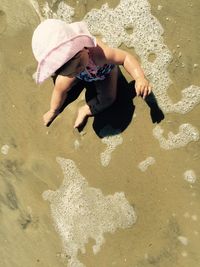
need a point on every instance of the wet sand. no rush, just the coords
(167, 229)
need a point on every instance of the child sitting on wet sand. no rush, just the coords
(71, 53)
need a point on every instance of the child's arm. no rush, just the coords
(62, 86)
(131, 65)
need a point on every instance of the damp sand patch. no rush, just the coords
(81, 212)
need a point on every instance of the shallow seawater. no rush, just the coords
(126, 191)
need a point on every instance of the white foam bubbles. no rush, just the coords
(143, 165)
(5, 149)
(190, 98)
(190, 176)
(76, 144)
(183, 240)
(112, 141)
(187, 133)
(81, 212)
(64, 11)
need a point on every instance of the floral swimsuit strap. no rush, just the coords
(92, 72)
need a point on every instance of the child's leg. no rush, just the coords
(106, 92)
(72, 94)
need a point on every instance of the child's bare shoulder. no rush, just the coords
(110, 55)
(101, 53)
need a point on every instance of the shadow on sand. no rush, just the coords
(119, 115)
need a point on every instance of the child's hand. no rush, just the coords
(142, 87)
(49, 116)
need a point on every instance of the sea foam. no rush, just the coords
(81, 212)
(112, 141)
(187, 133)
(143, 165)
(5, 149)
(190, 176)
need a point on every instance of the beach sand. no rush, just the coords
(165, 202)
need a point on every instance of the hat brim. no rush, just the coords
(61, 54)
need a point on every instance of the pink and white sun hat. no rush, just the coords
(55, 42)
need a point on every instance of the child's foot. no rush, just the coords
(49, 117)
(82, 116)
